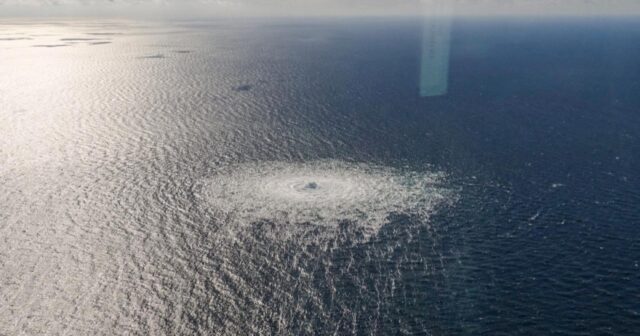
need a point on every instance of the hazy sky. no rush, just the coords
(312, 7)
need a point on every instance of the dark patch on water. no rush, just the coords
(99, 43)
(311, 185)
(14, 38)
(242, 88)
(183, 51)
(105, 34)
(157, 56)
(79, 39)
(50, 45)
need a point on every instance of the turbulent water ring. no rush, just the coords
(322, 193)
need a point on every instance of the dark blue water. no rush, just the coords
(144, 179)
(541, 125)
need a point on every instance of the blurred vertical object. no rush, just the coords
(436, 36)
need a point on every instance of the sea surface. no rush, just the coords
(287, 177)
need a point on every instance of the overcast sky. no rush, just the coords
(312, 7)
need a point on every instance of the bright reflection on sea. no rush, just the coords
(117, 218)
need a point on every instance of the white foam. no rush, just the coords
(322, 194)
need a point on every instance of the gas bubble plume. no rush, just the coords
(322, 194)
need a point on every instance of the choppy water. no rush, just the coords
(285, 177)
